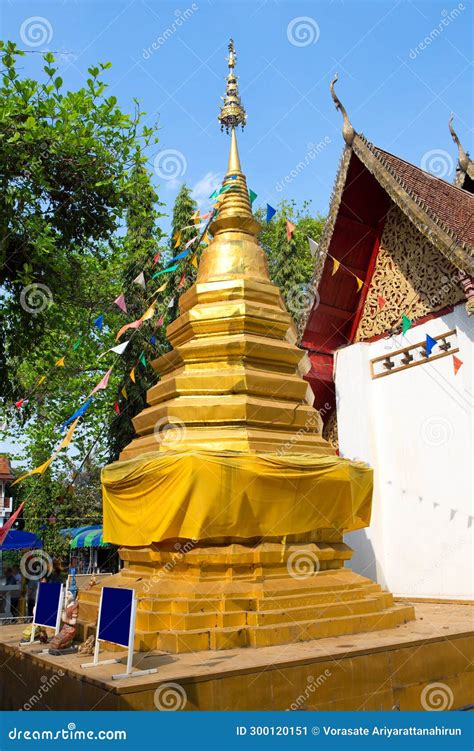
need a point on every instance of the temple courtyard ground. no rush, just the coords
(392, 669)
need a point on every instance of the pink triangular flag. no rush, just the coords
(133, 325)
(120, 302)
(102, 383)
(191, 241)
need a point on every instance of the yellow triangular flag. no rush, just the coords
(177, 239)
(194, 261)
(359, 284)
(163, 287)
(132, 375)
(41, 380)
(124, 393)
(43, 467)
(148, 313)
(195, 217)
(205, 239)
(335, 266)
(60, 362)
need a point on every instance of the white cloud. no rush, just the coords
(204, 187)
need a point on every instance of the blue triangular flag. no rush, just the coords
(77, 413)
(99, 322)
(430, 343)
(182, 254)
(153, 340)
(270, 212)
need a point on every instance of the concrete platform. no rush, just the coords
(381, 670)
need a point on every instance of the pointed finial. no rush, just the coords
(463, 158)
(232, 111)
(347, 130)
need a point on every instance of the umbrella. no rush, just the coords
(18, 540)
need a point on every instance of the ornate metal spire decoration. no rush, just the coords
(232, 111)
(347, 130)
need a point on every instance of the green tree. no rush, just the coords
(65, 159)
(291, 264)
(183, 230)
(142, 243)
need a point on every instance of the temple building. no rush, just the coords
(396, 267)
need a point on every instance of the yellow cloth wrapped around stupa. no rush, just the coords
(202, 495)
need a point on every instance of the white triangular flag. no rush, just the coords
(313, 247)
(140, 279)
(119, 349)
(171, 303)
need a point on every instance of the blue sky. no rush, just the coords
(398, 93)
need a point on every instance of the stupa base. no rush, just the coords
(413, 667)
(194, 598)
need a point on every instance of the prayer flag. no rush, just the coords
(182, 281)
(270, 212)
(142, 359)
(123, 391)
(359, 281)
(153, 340)
(456, 364)
(140, 279)
(252, 196)
(290, 228)
(313, 247)
(148, 313)
(156, 258)
(60, 363)
(133, 325)
(430, 343)
(99, 322)
(335, 267)
(116, 407)
(194, 261)
(120, 302)
(102, 383)
(132, 375)
(165, 271)
(20, 403)
(76, 343)
(177, 239)
(78, 413)
(406, 323)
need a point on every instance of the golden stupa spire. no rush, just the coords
(232, 111)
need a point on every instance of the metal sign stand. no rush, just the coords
(131, 637)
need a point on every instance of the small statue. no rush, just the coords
(92, 582)
(40, 633)
(87, 647)
(64, 639)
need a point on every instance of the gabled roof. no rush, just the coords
(5, 469)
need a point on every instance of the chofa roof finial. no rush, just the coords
(463, 158)
(347, 130)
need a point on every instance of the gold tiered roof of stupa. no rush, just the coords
(234, 378)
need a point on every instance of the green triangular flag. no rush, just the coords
(406, 323)
(142, 359)
(76, 343)
(252, 195)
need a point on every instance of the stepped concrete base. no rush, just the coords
(382, 670)
(231, 596)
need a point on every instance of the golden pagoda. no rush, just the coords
(229, 506)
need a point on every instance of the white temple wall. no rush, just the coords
(414, 428)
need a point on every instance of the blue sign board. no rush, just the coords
(116, 615)
(48, 604)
